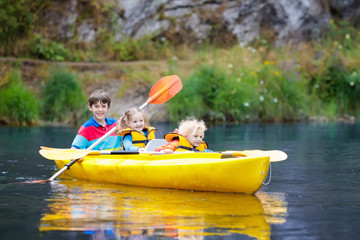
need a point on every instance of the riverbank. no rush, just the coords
(309, 82)
(127, 83)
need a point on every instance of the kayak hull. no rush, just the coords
(190, 171)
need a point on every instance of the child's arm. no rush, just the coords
(170, 146)
(128, 145)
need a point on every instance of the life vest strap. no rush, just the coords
(140, 141)
(188, 148)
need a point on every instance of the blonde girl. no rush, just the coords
(135, 129)
(189, 137)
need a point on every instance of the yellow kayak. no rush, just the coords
(205, 171)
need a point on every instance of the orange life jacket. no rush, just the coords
(184, 144)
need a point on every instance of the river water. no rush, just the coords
(314, 194)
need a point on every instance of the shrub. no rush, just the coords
(213, 95)
(342, 35)
(267, 93)
(352, 82)
(17, 19)
(63, 98)
(283, 91)
(198, 95)
(139, 49)
(341, 86)
(238, 98)
(49, 50)
(18, 105)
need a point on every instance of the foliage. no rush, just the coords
(18, 105)
(342, 35)
(63, 98)
(49, 50)
(210, 94)
(190, 102)
(17, 19)
(238, 97)
(247, 82)
(269, 93)
(341, 86)
(337, 84)
(352, 91)
(339, 64)
(145, 48)
(282, 91)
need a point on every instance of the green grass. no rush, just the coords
(63, 98)
(18, 105)
(269, 93)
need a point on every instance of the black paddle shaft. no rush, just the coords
(120, 152)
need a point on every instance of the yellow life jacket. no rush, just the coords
(139, 139)
(184, 144)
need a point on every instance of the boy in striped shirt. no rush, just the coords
(98, 125)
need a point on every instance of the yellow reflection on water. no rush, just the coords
(128, 210)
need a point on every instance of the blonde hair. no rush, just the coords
(191, 125)
(124, 120)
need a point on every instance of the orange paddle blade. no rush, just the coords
(38, 181)
(164, 89)
(47, 148)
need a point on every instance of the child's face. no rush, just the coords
(137, 122)
(196, 137)
(99, 111)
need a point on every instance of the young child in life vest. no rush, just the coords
(189, 137)
(135, 129)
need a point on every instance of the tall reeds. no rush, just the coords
(63, 98)
(19, 106)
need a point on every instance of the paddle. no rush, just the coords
(275, 155)
(161, 92)
(68, 154)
